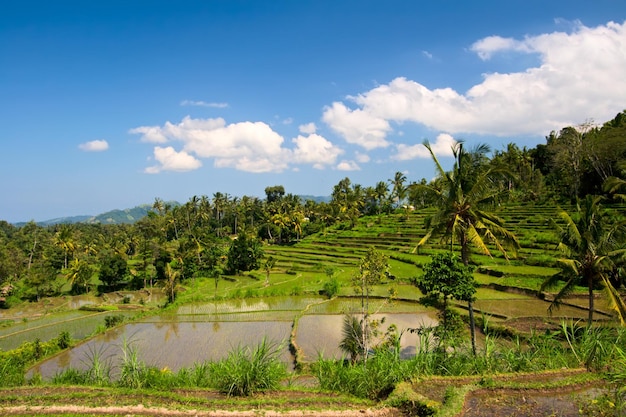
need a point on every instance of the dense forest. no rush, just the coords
(197, 238)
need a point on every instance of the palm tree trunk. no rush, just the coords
(470, 304)
(590, 318)
(470, 308)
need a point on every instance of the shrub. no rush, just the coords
(11, 372)
(64, 340)
(113, 320)
(375, 378)
(331, 287)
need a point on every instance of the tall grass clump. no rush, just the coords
(11, 372)
(592, 347)
(132, 370)
(246, 371)
(99, 368)
(374, 379)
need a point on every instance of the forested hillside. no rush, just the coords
(196, 238)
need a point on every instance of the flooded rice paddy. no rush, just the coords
(201, 332)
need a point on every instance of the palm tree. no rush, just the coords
(171, 287)
(381, 192)
(79, 274)
(589, 244)
(463, 197)
(616, 185)
(398, 193)
(65, 240)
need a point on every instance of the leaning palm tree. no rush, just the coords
(464, 197)
(590, 243)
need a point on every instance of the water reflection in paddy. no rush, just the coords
(170, 344)
(321, 334)
(200, 332)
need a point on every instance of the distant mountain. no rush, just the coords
(61, 220)
(316, 198)
(127, 216)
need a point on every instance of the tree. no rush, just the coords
(244, 254)
(616, 185)
(268, 265)
(78, 275)
(589, 242)
(398, 192)
(113, 269)
(171, 287)
(446, 277)
(464, 196)
(65, 240)
(373, 269)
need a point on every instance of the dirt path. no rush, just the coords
(140, 410)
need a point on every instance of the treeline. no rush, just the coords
(222, 234)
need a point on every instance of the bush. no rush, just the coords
(331, 287)
(374, 379)
(112, 321)
(64, 340)
(245, 372)
(11, 372)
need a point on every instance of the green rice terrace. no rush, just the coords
(269, 341)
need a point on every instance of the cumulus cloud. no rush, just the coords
(348, 166)
(245, 146)
(315, 150)
(308, 128)
(359, 126)
(94, 146)
(442, 147)
(171, 160)
(579, 76)
(490, 45)
(203, 104)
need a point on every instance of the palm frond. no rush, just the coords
(616, 302)
(567, 289)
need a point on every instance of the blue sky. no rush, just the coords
(110, 104)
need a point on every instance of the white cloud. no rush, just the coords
(170, 160)
(150, 134)
(315, 150)
(360, 126)
(94, 146)
(288, 121)
(442, 147)
(308, 128)
(203, 104)
(580, 76)
(490, 45)
(245, 146)
(427, 54)
(348, 166)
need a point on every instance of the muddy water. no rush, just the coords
(79, 324)
(321, 334)
(170, 344)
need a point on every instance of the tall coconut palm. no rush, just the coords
(398, 193)
(463, 198)
(590, 243)
(64, 238)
